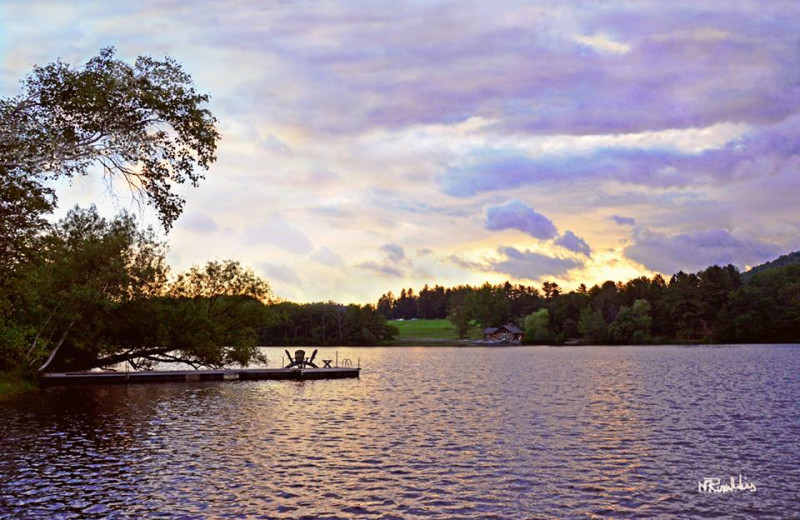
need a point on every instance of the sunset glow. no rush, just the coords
(369, 146)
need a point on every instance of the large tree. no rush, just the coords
(208, 317)
(88, 267)
(143, 123)
(102, 298)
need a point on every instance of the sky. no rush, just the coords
(369, 146)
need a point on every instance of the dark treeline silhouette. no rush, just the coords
(99, 292)
(714, 305)
(325, 324)
(438, 302)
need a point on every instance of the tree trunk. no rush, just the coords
(55, 350)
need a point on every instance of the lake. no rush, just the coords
(525, 432)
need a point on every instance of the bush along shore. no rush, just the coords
(12, 384)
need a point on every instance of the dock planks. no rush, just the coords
(176, 376)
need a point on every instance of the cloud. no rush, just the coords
(683, 112)
(394, 252)
(327, 257)
(465, 264)
(322, 177)
(531, 265)
(528, 265)
(279, 234)
(569, 68)
(697, 250)
(273, 145)
(279, 272)
(198, 223)
(384, 270)
(515, 214)
(391, 266)
(636, 67)
(623, 221)
(603, 44)
(574, 243)
(760, 152)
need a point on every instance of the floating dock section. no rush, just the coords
(180, 376)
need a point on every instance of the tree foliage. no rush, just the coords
(591, 326)
(537, 327)
(712, 305)
(88, 267)
(327, 323)
(144, 123)
(23, 203)
(632, 324)
(99, 295)
(67, 292)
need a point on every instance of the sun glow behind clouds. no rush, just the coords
(603, 44)
(478, 133)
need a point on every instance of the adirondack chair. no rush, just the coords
(300, 360)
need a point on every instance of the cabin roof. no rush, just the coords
(510, 328)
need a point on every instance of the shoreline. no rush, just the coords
(12, 385)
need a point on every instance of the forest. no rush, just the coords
(716, 305)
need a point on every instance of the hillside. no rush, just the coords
(789, 259)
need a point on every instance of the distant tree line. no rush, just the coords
(327, 323)
(712, 305)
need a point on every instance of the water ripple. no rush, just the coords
(425, 433)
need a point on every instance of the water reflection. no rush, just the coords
(447, 433)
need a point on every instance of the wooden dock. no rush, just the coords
(180, 376)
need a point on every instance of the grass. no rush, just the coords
(429, 331)
(12, 384)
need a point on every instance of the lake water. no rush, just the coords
(528, 432)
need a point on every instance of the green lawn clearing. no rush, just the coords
(428, 331)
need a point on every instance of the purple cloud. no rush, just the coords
(530, 265)
(684, 65)
(395, 255)
(466, 264)
(515, 214)
(697, 250)
(574, 243)
(761, 152)
(199, 223)
(623, 221)
(274, 145)
(394, 252)
(383, 270)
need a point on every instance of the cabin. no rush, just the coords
(503, 334)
